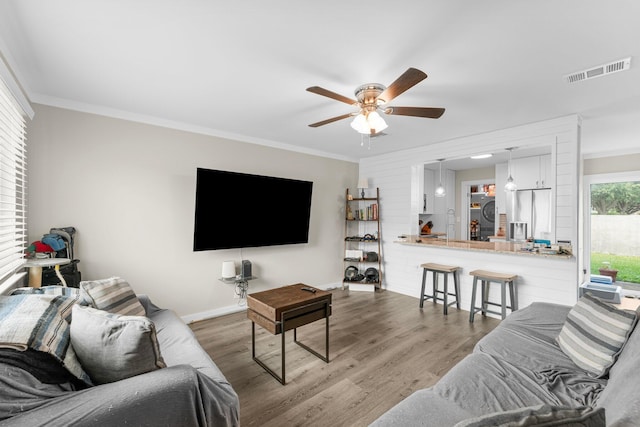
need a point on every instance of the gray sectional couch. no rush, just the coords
(190, 391)
(520, 365)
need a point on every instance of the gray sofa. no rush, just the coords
(518, 365)
(190, 391)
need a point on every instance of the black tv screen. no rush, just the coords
(238, 210)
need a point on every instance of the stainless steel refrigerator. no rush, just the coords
(534, 208)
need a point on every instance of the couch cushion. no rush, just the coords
(594, 334)
(481, 384)
(39, 322)
(621, 397)
(180, 346)
(113, 295)
(112, 347)
(527, 338)
(541, 415)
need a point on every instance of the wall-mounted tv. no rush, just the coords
(239, 210)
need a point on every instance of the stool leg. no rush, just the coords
(473, 299)
(456, 285)
(424, 280)
(446, 291)
(514, 295)
(435, 286)
(503, 296)
(484, 285)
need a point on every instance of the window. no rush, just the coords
(614, 227)
(13, 169)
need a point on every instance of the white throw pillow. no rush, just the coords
(111, 347)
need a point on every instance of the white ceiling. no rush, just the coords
(239, 69)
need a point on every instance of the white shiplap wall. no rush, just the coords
(541, 279)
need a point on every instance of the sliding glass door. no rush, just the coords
(613, 227)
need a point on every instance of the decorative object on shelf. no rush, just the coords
(349, 212)
(363, 184)
(510, 185)
(440, 191)
(371, 257)
(228, 270)
(371, 275)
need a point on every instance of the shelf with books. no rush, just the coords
(362, 243)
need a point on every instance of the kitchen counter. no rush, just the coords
(503, 247)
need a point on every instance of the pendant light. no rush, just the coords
(510, 185)
(440, 191)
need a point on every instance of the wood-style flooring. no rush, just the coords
(383, 347)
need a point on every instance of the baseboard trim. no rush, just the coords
(222, 311)
(210, 314)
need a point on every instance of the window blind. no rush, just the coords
(13, 185)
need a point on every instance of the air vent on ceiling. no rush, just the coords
(599, 71)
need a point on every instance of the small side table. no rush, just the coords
(35, 269)
(289, 307)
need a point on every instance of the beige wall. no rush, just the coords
(129, 189)
(627, 163)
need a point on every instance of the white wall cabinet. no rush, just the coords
(531, 172)
(545, 171)
(428, 202)
(501, 179)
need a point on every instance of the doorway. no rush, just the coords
(478, 209)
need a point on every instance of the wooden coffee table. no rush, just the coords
(282, 309)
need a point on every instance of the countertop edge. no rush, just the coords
(496, 251)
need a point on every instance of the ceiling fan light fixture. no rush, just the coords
(373, 96)
(376, 122)
(360, 124)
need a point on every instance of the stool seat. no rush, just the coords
(444, 270)
(492, 275)
(440, 267)
(486, 277)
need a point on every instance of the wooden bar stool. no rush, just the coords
(486, 277)
(445, 270)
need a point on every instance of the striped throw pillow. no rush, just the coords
(113, 295)
(594, 333)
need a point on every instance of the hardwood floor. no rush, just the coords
(382, 349)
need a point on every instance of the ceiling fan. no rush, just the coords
(372, 97)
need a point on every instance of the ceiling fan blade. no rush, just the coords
(331, 120)
(428, 112)
(324, 92)
(410, 78)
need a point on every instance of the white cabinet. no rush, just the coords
(501, 180)
(429, 192)
(526, 172)
(546, 178)
(532, 172)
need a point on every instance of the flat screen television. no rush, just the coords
(239, 210)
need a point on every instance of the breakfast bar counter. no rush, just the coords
(502, 247)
